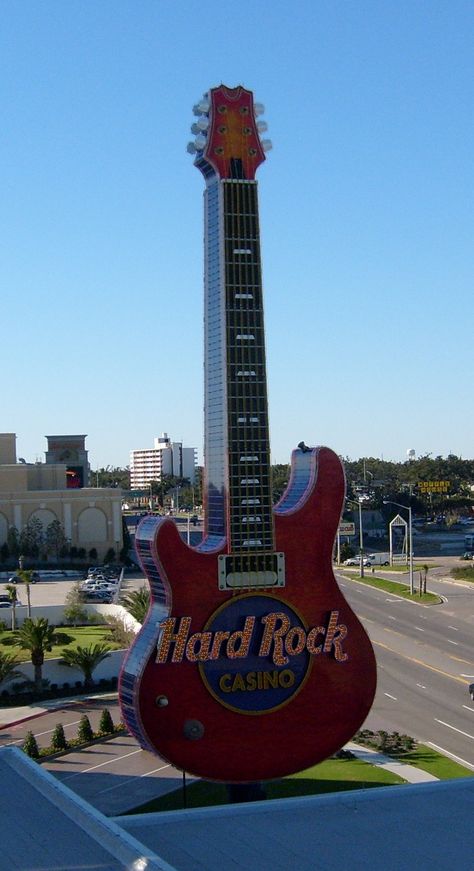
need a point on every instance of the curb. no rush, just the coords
(56, 704)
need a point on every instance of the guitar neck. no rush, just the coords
(237, 447)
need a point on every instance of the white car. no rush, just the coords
(352, 561)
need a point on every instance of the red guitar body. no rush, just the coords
(171, 706)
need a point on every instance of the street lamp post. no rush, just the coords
(361, 535)
(410, 540)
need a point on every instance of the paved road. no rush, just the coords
(425, 662)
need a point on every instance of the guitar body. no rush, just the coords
(298, 678)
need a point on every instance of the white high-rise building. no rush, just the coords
(165, 458)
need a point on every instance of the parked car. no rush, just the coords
(467, 555)
(15, 579)
(352, 561)
(100, 596)
(5, 601)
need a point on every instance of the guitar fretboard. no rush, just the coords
(239, 501)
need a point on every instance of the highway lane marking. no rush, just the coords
(101, 764)
(471, 676)
(453, 628)
(419, 662)
(448, 726)
(468, 708)
(421, 685)
(391, 618)
(391, 697)
(419, 628)
(452, 755)
(453, 642)
(130, 779)
(393, 631)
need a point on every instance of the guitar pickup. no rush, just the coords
(251, 571)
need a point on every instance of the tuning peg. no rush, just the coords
(203, 122)
(262, 126)
(266, 144)
(258, 109)
(200, 142)
(191, 148)
(202, 107)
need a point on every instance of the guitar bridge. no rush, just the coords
(251, 571)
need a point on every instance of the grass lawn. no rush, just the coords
(464, 573)
(440, 766)
(82, 636)
(398, 589)
(333, 775)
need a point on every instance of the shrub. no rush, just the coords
(66, 685)
(58, 740)
(106, 724)
(391, 743)
(78, 684)
(30, 746)
(84, 732)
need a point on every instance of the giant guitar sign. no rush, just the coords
(250, 664)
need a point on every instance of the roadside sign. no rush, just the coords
(433, 486)
(347, 529)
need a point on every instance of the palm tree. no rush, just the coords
(26, 576)
(86, 659)
(8, 669)
(37, 636)
(137, 603)
(12, 595)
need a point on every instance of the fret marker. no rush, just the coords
(249, 481)
(243, 373)
(243, 296)
(245, 338)
(249, 459)
(242, 251)
(250, 501)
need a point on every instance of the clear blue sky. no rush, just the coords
(365, 207)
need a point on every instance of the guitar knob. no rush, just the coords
(193, 730)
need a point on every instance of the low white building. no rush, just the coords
(164, 458)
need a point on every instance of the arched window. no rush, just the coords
(91, 526)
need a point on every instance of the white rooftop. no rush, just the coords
(47, 827)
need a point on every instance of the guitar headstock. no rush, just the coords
(228, 133)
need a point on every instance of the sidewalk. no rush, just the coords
(407, 772)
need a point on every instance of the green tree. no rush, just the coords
(137, 603)
(106, 724)
(4, 552)
(13, 597)
(30, 746)
(13, 541)
(32, 538)
(93, 554)
(86, 659)
(111, 476)
(55, 538)
(8, 668)
(74, 610)
(84, 732)
(37, 636)
(58, 740)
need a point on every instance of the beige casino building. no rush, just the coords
(57, 490)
